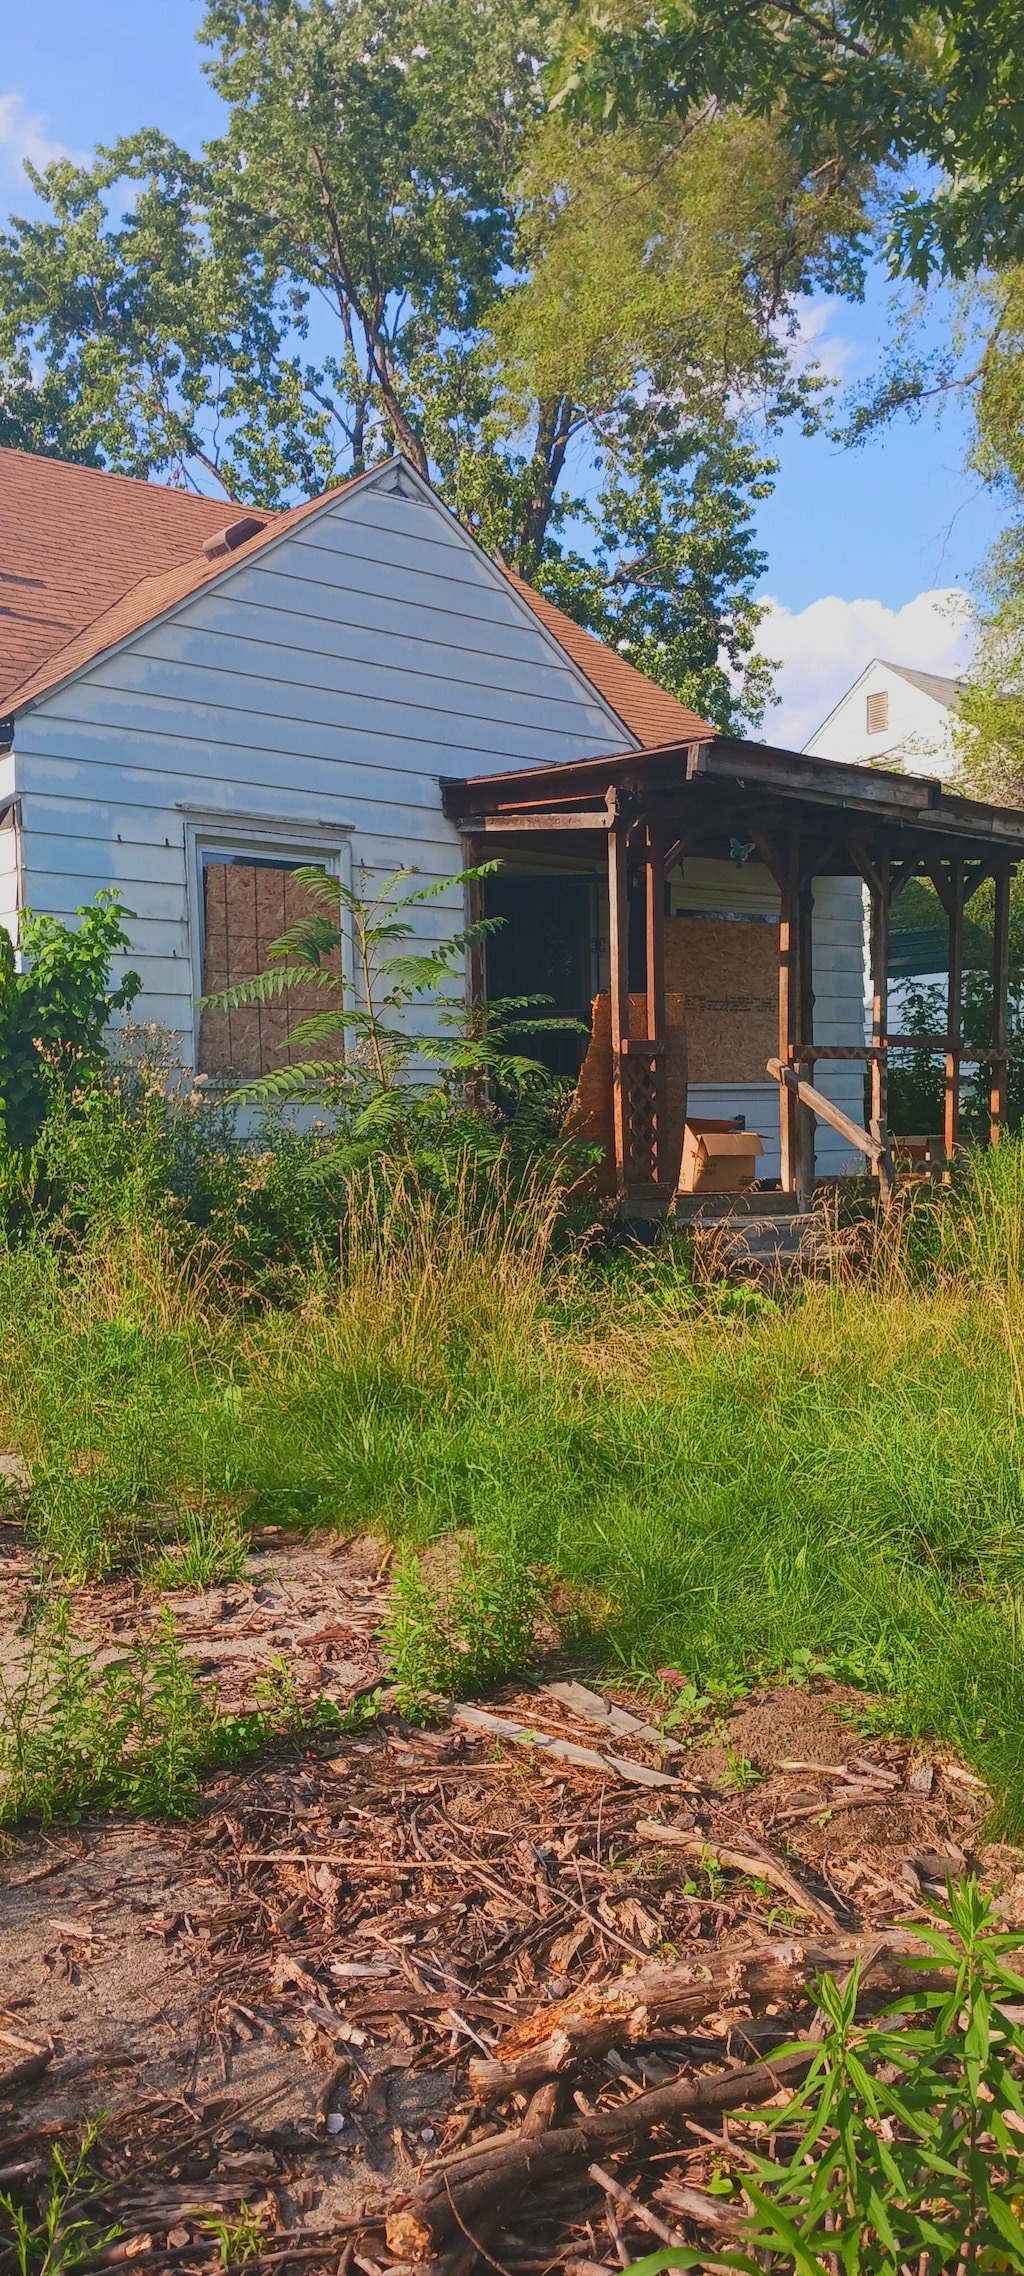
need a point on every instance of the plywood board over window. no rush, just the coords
(727, 971)
(248, 902)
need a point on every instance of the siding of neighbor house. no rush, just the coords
(307, 703)
(917, 736)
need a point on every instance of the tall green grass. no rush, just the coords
(839, 1474)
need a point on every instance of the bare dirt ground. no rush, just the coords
(274, 2008)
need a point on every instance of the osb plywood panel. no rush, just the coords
(590, 1114)
(247, 906)
(727, 975)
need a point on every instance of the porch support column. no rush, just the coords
(654, 878)
(954, 1009)
(474, 853)
(880, 894)
(805, 1035)
(796, 1000)
(618, 992)
(877, 873)
(1000, 1002)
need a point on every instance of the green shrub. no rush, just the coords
(55, 1010)
(135, 1734)
(904, 2147)
(460, 1626)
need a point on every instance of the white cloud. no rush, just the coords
(811, 342)
(823, 648)
(23, 135)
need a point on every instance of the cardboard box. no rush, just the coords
(718, 1157)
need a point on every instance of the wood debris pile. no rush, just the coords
(480, 1993)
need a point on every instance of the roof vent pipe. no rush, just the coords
(228, 540)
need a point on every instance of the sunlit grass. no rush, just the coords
(840, 1474)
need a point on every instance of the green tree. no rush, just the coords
(394, 245)
(56, 1003)
(881, 81)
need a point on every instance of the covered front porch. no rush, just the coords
(621, 836)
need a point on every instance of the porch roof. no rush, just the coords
(708, 791)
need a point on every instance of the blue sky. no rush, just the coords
(871, 533)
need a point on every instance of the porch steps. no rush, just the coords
(759, 1249)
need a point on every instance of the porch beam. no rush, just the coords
(557, 818)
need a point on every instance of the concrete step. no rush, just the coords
(760, 1248)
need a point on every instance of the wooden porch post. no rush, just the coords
(880, 894)
(805, 1035)
(789, 1014)
(618, 990)
(473, 854)
(655, 931)
(796, 1008)
(954, 1009)
(1000, 1002)
(878, 877)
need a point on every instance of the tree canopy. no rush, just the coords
(584, 333)
(883, 81)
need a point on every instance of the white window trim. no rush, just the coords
(207, 831)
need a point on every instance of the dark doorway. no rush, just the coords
(543, 949)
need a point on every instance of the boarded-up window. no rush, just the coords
(726, 971)
(248, 902)
(878, 712)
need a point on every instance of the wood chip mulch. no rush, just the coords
(442, 1996)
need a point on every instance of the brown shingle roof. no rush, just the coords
(73, 542)
(89, 558)
(649, 712)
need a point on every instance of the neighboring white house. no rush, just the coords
(892, 716)
(195, 700)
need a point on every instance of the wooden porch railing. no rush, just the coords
(874, 1144)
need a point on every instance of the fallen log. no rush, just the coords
(456, 2194)
(600, 2016)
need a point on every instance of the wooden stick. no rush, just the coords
(758, 1862)
(632, 2206)
(503, 2169)
(25, 2073)
(697, 2205)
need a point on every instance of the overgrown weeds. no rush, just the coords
(833, 1478)
(136, 1733)
(457, 1628)
(904, 2145)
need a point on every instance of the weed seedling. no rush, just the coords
(60, 2240)
(739, 1772)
